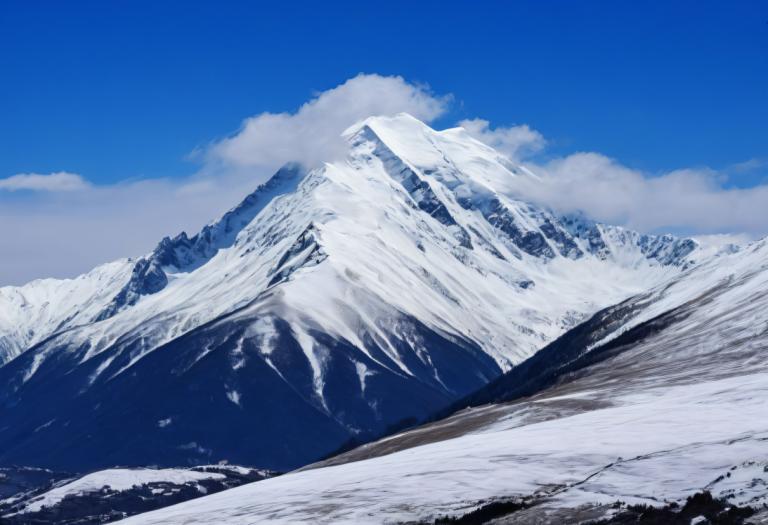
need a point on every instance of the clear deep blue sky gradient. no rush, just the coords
(123, 89)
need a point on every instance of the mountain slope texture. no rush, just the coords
(648, 402)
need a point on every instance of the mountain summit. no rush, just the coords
(332, 303)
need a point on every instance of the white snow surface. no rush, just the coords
(117, 479)
(680, 411)
(30, 313)
(662, 445)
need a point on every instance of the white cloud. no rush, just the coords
(748, 166)
(686, 200)
(724, 239)
(59, 181)
(514, 141)
(312, 134)
(63, 234)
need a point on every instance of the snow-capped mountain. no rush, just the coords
(648, 402)
(331, 304)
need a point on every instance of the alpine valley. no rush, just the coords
(397, 286)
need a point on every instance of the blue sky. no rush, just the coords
(124, 89)
(119, 92)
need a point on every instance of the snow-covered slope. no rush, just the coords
(117, 480)
(670, 399)
(103, 496)
(351, 296)
(35, 311)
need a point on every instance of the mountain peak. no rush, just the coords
(353, 296)
(403, 123)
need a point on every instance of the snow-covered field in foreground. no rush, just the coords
(662, 444)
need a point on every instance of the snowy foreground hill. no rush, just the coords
(331, 304)
(648, 402)
(111, 494)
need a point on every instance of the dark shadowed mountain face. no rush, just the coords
(174, 407)
(331, 305)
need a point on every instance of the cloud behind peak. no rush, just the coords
(312, 134)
